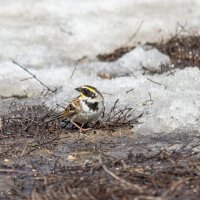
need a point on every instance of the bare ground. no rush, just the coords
(43, 161)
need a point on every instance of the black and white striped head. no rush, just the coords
(90, 93)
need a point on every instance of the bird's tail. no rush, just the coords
(60, 115)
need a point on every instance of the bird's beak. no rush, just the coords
(78, 89)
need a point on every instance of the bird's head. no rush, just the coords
(89, 93)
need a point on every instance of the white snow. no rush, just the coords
(43, 33)
(132, 62)
(48, 37)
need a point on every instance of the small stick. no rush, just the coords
(171, 73)
(25, 79)
(150, 99)
(112, 109)
(14, 96)
(134, 34)
(34, 76)
(129, 90)
(122, 181)
(73, 72)
(106, 93)
(60, 106)
(1, 123)
(153, 81)
(114, 106)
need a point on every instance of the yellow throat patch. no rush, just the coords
(82, 95)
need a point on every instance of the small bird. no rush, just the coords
(86, 108)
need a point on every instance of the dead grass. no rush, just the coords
(95, 174)
(183, 51)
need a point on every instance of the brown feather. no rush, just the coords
(69, 111)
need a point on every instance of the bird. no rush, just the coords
(84, 109)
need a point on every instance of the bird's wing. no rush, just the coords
(69, 111)
(72, 108)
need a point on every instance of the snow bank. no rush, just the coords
(170, 103)
(43, 33)
(48, 37)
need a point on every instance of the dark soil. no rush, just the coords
(43, 161)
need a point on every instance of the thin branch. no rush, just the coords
(122, 181)
(34, 76)
(134, 34)
(149, 100)
(106, 93)
(1, 123)
(25, 79)
(14, 96)
(129, 90)
(153, 81)
(73, 72)
(114, 106)
(171, 72)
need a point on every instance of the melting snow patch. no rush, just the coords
(131, 62)
(42, 34)
(139, 57)
(168, 103)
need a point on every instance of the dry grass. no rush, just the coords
(165, 175)
(183, 51)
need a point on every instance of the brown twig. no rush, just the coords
(14, 96)
(73, 72)
(134, 34)
(114, 106)
(34, 76)
(174, 187)
(122, 181)
(129, 90)
(153, 81)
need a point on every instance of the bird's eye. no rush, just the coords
(84, 90)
